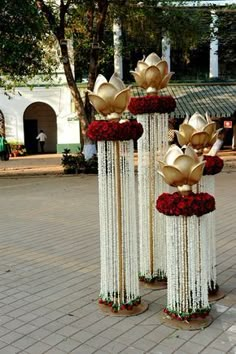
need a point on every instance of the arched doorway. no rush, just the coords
(39, 116)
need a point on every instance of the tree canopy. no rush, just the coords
(28, 28)
(22, 34)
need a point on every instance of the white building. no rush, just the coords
(27, 111)
(48, 107)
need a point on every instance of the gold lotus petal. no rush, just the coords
(153, 76)
(213, 139)
(208, 118)
(99, 81)
(196, 174)
(141, 66)
(197, 121)
(161, 174)
(165, 80)
(199, 139)
(184, 163)
(172, 153)
(181, 138)
(163, 67)
(190, 152)
(210, 128)
(116, 81)
(173, 176)
(152, 59)
(107, 92)
(186, 119)
(99, 104)
(121, 100)
(140, 79)
(186, 130)
(161, 164)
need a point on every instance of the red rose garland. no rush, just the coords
(106, 130)
(115, 307)
(213, 165)
(177, 204)
(187, 316)
(152, 104)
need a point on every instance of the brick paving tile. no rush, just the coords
(9, 350)
(233, 350)
(49, 276)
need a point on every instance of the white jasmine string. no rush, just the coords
(152, 229)
(207, 185)
(186, 263)
(110, 257)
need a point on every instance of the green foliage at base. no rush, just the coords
(76, 163)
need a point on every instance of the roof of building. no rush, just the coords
(217, 99)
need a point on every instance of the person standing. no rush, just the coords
(42, 137)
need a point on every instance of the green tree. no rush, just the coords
(22, 54)
(89, 24)
(227, 40)
(85, 19)
(186, 28)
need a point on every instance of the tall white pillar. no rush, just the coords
(214, 43)
(165, 48)
(118, 60)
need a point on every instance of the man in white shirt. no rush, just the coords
(42, 138)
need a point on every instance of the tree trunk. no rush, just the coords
(99, 17)
(79, 104)
(84, 110)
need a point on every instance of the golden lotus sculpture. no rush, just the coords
(110, 98)
(197, 131)
(152, 73)
(181, 168)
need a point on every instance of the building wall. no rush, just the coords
(49, 109)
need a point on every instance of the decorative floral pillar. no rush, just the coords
(151, 147)
(117, 209)
(200, 132)
(152, 112)
(213, 165)
(187, 290)
(119, 292)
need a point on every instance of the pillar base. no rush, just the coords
(215, 297)
(156, 285)
(136, 310)
(193, 325)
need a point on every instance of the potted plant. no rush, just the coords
(68, 161)
(92, 165)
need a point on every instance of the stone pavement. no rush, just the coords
(49, 275)
(32, 165)
(45, 164)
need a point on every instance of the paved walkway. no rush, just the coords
(32, 165)
(51, 164)
(49, 275)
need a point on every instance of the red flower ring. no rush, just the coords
(187, 316)
(152, 104)
(186, 205)
(214, 165)
(108, 130)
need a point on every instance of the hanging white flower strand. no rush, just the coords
(151, 147)
(207, 184)
(187, 291)
(187, 239)
(152, 74)
(117, 204)
(118, 233)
